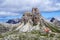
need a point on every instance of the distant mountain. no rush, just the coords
(13, 21)
(52, 19)
(55, 21)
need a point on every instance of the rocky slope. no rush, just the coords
(32, 27)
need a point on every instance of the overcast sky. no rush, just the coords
(13, 7)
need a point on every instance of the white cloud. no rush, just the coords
(58, 4)
(2, 13)
(20, 5)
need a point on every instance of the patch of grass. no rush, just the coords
(9, 33)
(39, 33)
(1, 36)
(34, 24)
(52, 27)
(35, 32)
(52, 35)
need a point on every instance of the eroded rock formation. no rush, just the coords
(34, 21)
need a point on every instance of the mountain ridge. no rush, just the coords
(32, 27)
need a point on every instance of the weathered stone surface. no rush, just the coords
(34, 16)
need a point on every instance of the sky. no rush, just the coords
(11, 9)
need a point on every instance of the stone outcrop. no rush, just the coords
(34, 16)
(33, 20)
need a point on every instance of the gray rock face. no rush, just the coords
(30, 19)
(34, 20)
(34, 16)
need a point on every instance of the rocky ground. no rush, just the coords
(33, 35)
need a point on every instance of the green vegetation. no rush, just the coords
(34, 24)
(52, 27)
(33, 35)
(1, 36)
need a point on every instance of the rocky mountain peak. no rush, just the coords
(34, 15)
(34, 21)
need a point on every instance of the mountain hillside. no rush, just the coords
(33, 27)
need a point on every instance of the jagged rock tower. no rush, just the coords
(34, 21)
(36, 15)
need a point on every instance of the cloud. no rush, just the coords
(12, 8)
(22, 5)
(3, 13)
